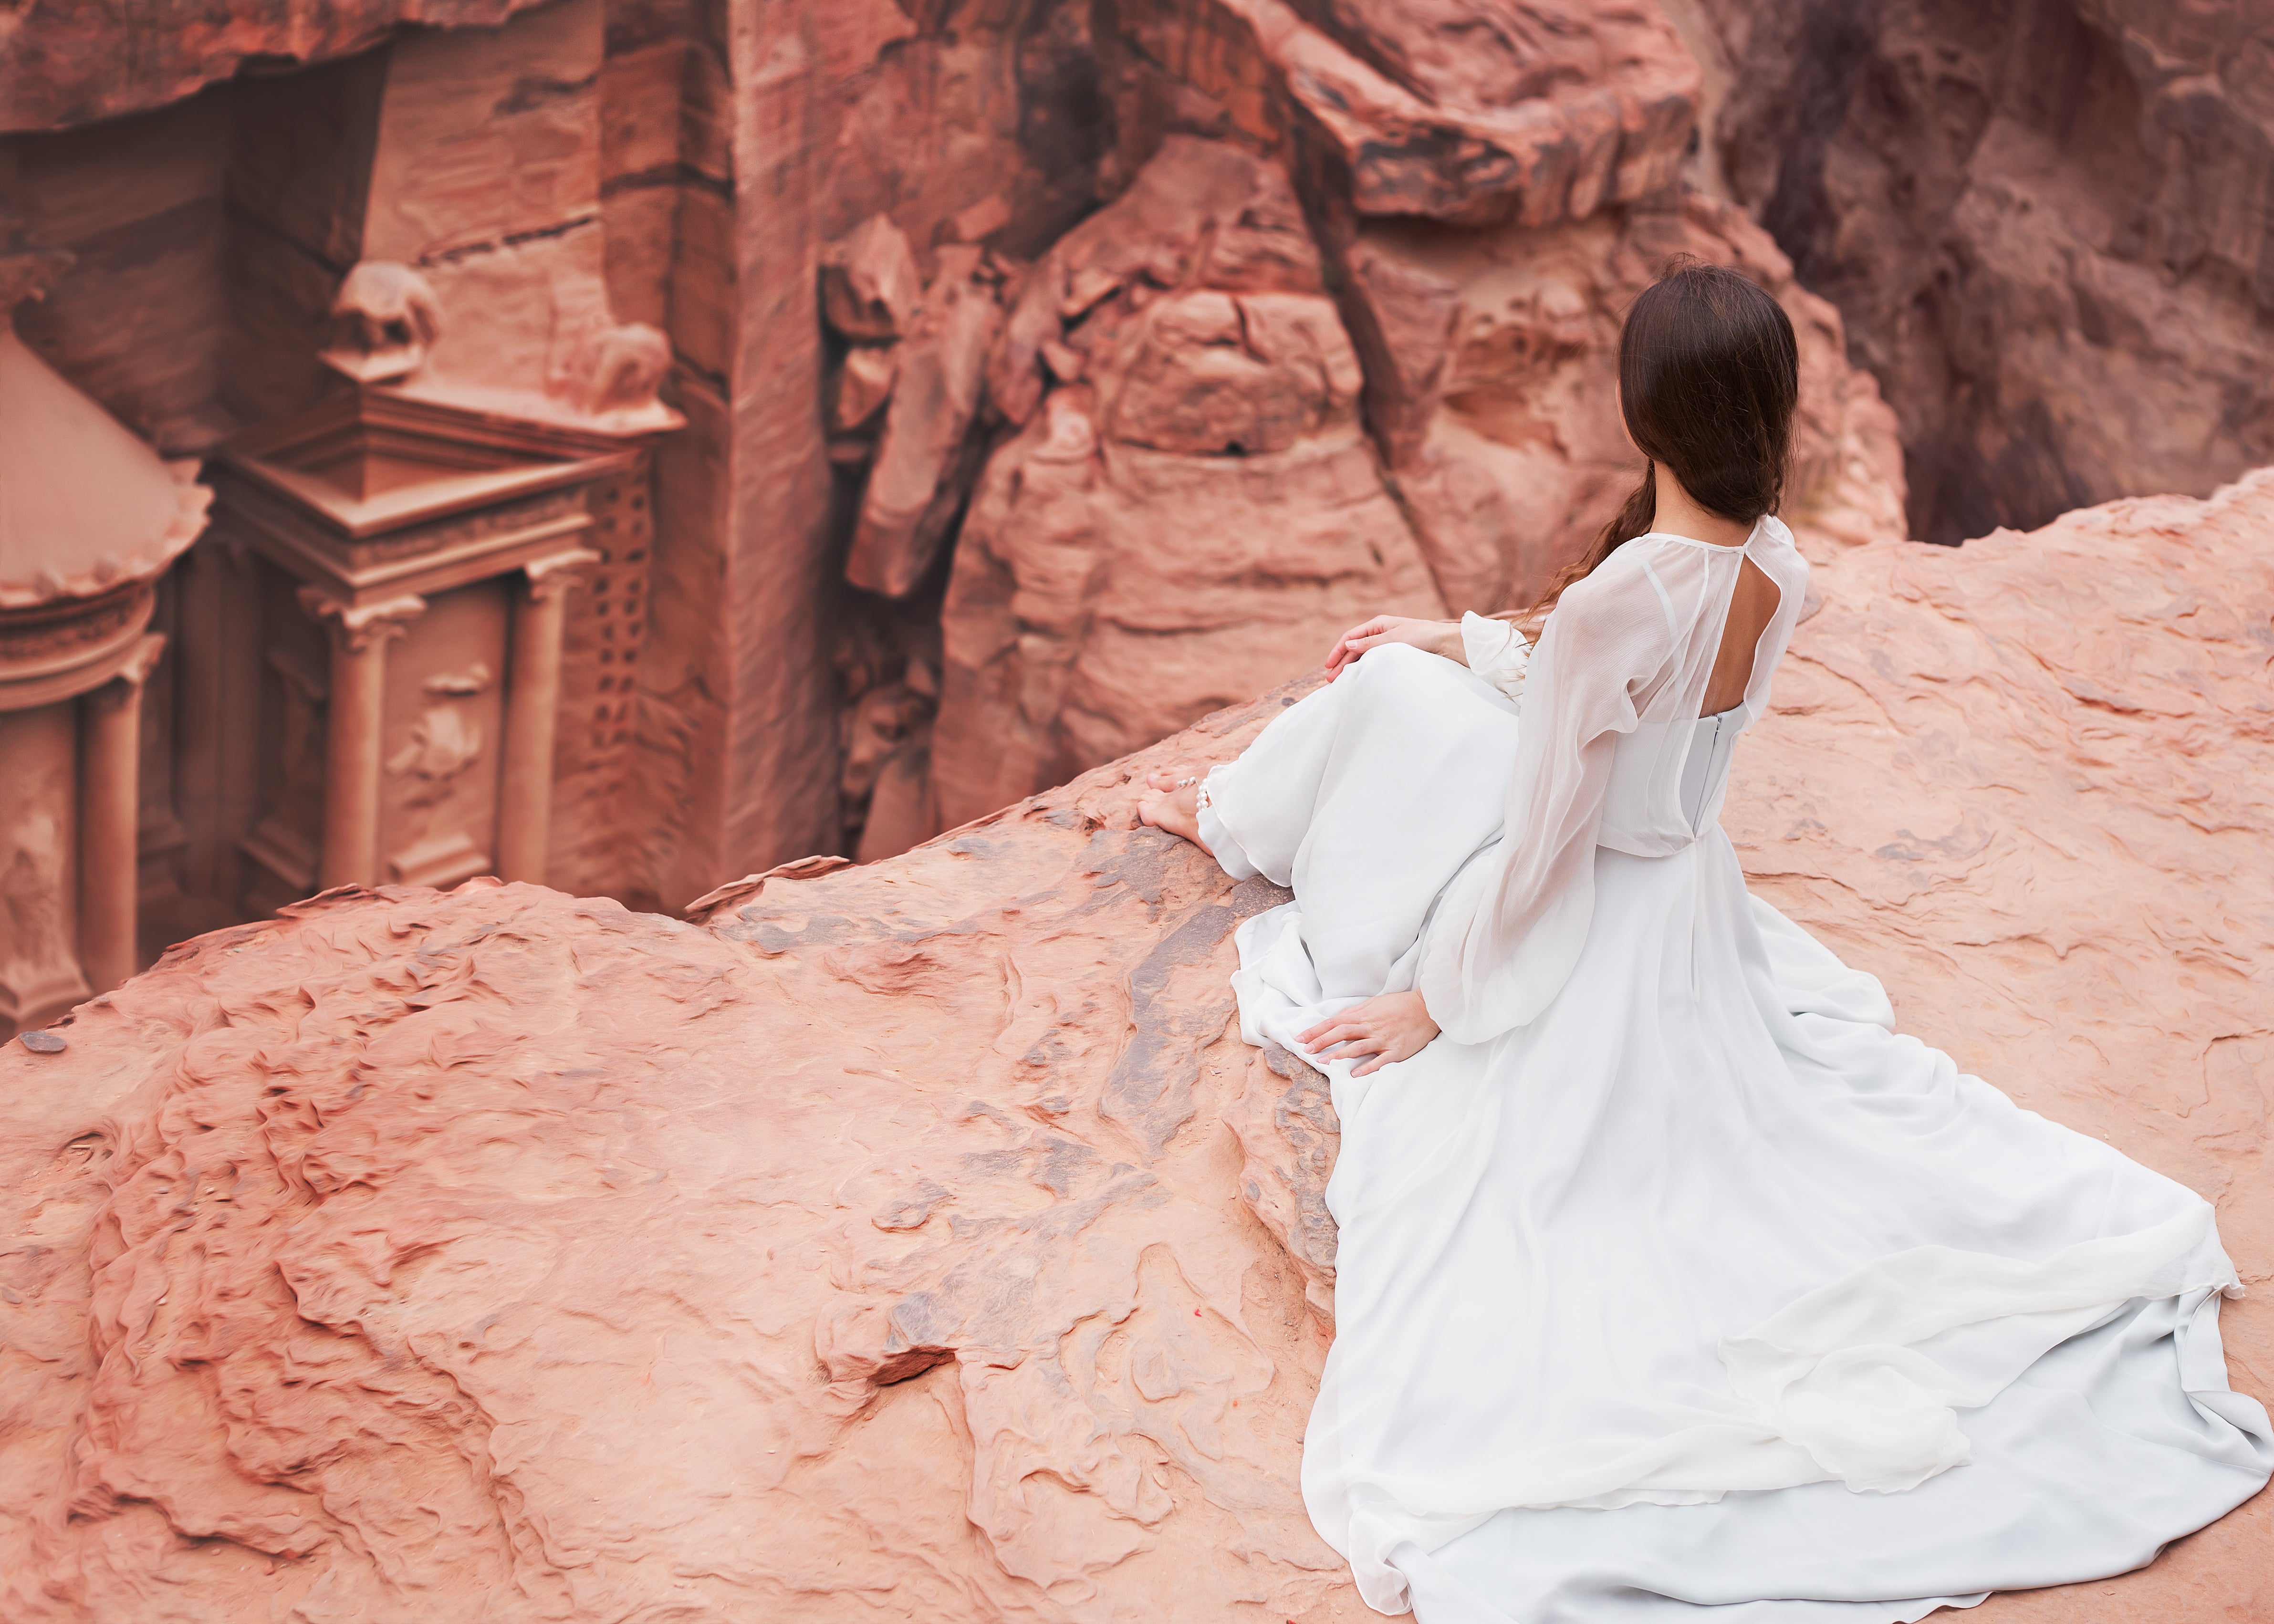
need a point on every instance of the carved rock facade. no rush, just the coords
(90, 517)
(1041, 375)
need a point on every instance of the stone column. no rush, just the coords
(354, 729)
(40, 973)
(532, 706)
(110, 809)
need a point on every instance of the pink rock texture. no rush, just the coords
(854, 247)
(1479, 110)
(1492, 358)
(2047, 226)
(926, 454)
(1193, 508)
(919, 1238)
(67, 62)
(1194, 502)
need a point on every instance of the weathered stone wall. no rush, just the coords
(849, 613)
(2047, 225)
(139, 321)
(72, 62)
(1481, 220)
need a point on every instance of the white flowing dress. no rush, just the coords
(1670, 1276)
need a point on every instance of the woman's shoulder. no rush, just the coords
(1641, 568)
(1631, 563)
(1782, 555)
(1629, 586)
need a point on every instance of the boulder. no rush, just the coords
(1191, 522)
(920, 1238)
(870, 284)
(929, 452)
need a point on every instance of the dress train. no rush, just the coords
(1703, 1287)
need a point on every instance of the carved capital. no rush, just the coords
(356, 628)
(125, 685)
(551, 577)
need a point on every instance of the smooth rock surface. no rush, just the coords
(919, 1238)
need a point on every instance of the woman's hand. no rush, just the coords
(1394, 1026)
(1440, 637)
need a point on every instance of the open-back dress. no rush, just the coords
(1670, 1276)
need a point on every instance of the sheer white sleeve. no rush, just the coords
(1496, 651)
(1510, 932)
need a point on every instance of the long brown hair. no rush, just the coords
(1709, 374)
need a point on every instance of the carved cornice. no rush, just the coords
(65, 647)
(125, 684)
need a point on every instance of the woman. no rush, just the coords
(1670, 1276)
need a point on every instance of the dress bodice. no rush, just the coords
(1706, 773)
(1640, 816)
(1615, 754)
(1668, 773)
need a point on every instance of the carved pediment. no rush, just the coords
(373, 491)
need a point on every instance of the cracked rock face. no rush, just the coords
(919, 1238)
(1221, 467)
(2046, 224)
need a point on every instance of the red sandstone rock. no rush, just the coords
(2047, 226)
(603, 197)
(927, 457)
(1185, 525)
(869, 283)
(1199, 211)
(1486, 353)
(1491, 365)
(920, 1236)
(66, 62)
(864, 384)
(1471, 109)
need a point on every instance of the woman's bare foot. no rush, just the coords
(1174, 803)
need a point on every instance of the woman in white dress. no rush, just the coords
(1670, 1276)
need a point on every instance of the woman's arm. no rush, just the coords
(1392, 1028)
(1440, 637)
(1508, 934)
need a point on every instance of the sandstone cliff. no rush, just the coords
(1047, 367)
(2046, 224)
(1343, 338)
(919, 1238)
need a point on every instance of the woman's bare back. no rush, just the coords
(1751, 605)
